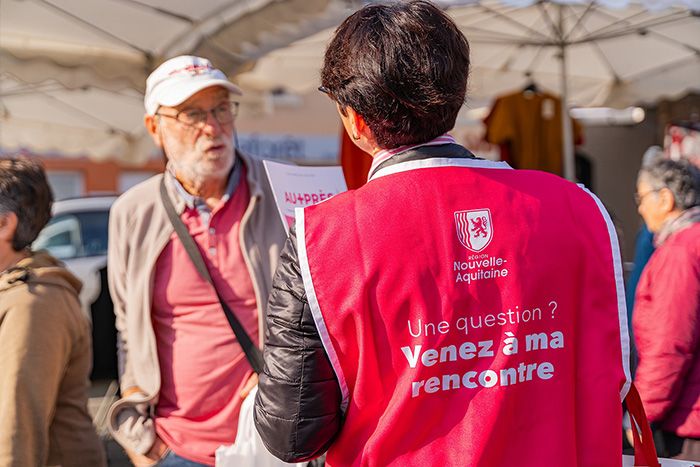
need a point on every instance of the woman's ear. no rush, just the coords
(357, 128)
(666, 200)
(357, 124)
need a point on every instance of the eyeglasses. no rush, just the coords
(223, 113)
(638, 198)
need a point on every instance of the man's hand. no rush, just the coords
(152, 457)
(252, 381)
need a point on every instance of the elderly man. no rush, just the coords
(666, 318)
(45, 340)
(183, 373)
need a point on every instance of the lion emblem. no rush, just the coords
(474, 228)
(479, 226)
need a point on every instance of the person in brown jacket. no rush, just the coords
(45, 339)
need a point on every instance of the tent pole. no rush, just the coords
(567, 126)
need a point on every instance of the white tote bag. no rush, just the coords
(248, 450)
(628, 461)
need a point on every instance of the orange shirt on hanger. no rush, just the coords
(531, 123)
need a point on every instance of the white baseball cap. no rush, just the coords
(177, 79)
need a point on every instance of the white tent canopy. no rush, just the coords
(72, 72)
(619, 52)
(111, 44)
(591, 52)
(622, 56)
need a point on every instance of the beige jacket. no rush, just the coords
(46, 351)
(139, 229)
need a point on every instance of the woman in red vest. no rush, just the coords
(452, 311)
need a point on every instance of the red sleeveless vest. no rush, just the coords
(474, 316)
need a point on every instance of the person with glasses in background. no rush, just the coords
(45, 339)
(183, 374)
(666, 317)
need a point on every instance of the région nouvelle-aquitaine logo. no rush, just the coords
(474, 228)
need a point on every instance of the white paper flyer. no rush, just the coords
(299, 186)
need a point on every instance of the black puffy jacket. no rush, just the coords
(297, 409)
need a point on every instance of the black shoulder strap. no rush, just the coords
(251, 351)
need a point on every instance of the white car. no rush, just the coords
(77, 235)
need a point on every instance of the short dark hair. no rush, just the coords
(681, 177)
(403, 67)
(25, 191)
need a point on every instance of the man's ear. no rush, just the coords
(151, 124)
(8, 227)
